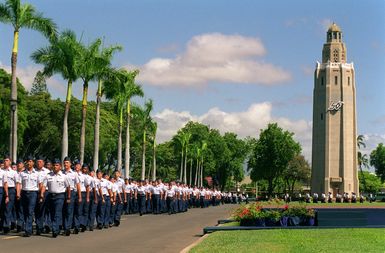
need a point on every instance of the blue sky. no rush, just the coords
(192, 68)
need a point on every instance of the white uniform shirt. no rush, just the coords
(170, 192)
(114, 187)
(141, 190)
(82, 182)
(56, 183)
(120, 184)
(105, 185)
(156, 190)
(12, 177)
(42, 173)
(29, 180)
(73, 178)
(3, 177)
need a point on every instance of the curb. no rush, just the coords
(192, 245)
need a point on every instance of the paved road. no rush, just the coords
(149, 233)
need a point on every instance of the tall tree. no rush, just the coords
(124, 85)
(21, 16)
(362, 159)
(61, 57)
(298, 169)
(377, 160)
(39, 84)
(105, 72)
(154, 128)
(273, 151)
(144, 117)
(187, 137)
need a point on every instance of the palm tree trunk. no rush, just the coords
(13, 100)
(154, 162)
(97, 126)
(64, 151)
(185, 167)
(196, 173)
(127, 150)
(83, 128)
(191, 168)
(201, 170)
(181, 166)
(119, 165)
(144, 155)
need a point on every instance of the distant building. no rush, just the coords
(334, 148)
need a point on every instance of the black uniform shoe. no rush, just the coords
(76, 231)
(91, 229)
(38, 231)
(26, 235)
(47, 229)
(100, 226)
(54, 235)
(83, 228)
(67, 232)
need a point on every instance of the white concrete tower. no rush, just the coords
(334, 147)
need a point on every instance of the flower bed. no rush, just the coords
(254, 215)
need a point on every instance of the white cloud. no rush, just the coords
(214, 57)
(325, 23)
(26, 75)
(246, 123)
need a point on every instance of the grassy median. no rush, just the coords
(295, 240)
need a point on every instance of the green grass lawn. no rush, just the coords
(295, 240)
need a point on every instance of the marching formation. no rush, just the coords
(74, 199)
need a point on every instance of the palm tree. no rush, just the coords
(180, 138)
(362, 159)
(187, 137)
(105, 72)
(197, 157)
(203, 150)
(145, 119)
(154, 128)
(60, 58)
(87, 70)
(124, 84)
(21, 16)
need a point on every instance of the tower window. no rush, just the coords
(335, 35)
(348, 80)
(335, 80)
(322, 116)
(322, 81)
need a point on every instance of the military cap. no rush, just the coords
(7, 156)
(67, 159)
(85, 165)
(20, 161)
(30, 157)
(40, 157)
(56, 160)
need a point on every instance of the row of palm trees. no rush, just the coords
(67, 56)
(196, 152)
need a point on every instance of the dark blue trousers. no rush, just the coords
(40, 210)
(142, 204)
(118, 210)
(9, 207)
(56, 203)
(80, 211)
(28, 201)
(156, 203)
(92, 211)
(101, 211)
(68, 213)
(107, 213)
(19, 213)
